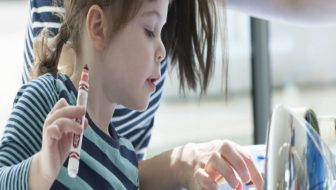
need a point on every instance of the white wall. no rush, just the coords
(13, 16)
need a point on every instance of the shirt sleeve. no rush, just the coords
(42, 13)
(22, 136)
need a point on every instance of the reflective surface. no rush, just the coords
(296, 157)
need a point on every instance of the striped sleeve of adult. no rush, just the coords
(23, 132)
(42, 14)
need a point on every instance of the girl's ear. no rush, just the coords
(96, 27)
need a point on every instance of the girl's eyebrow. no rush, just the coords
(152, 12)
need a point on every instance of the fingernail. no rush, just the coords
(245, 177)
(249, 183)
(248, 180)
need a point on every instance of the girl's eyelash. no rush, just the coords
(149, 33)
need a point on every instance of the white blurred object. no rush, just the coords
(13, 16)
(327, 124)
(296, 156)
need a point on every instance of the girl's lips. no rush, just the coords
(151, 83)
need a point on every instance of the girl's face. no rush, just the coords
(132, 58)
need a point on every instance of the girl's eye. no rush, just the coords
(149, 33)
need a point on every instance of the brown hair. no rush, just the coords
(48, 54)
(189, 36)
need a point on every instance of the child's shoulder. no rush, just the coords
(47, 80)
(45, 85)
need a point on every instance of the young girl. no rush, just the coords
(181, 41)
(123, 53)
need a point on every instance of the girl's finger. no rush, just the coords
(230, 153)
(61, 127)
(86, 124)
(71, 112)
(254, 172)
(203, 180)
(217, 164)
(59, 104)
(66, 125)
(53, 132)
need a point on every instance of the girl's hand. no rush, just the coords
(218, 160)
(58, 129)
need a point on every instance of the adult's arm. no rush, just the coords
(294, 11)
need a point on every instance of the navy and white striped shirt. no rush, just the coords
(135, 126)
(107, 162)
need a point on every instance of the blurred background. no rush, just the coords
(302, 73)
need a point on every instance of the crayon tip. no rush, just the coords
(86, 67)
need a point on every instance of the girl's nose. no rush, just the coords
(160, 53)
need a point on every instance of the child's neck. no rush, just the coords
(100, 117)
(97, 106)
(75, 78)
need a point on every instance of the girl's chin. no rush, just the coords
(139, 106)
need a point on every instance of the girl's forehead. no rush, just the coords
(158, 6)
(155, 4)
